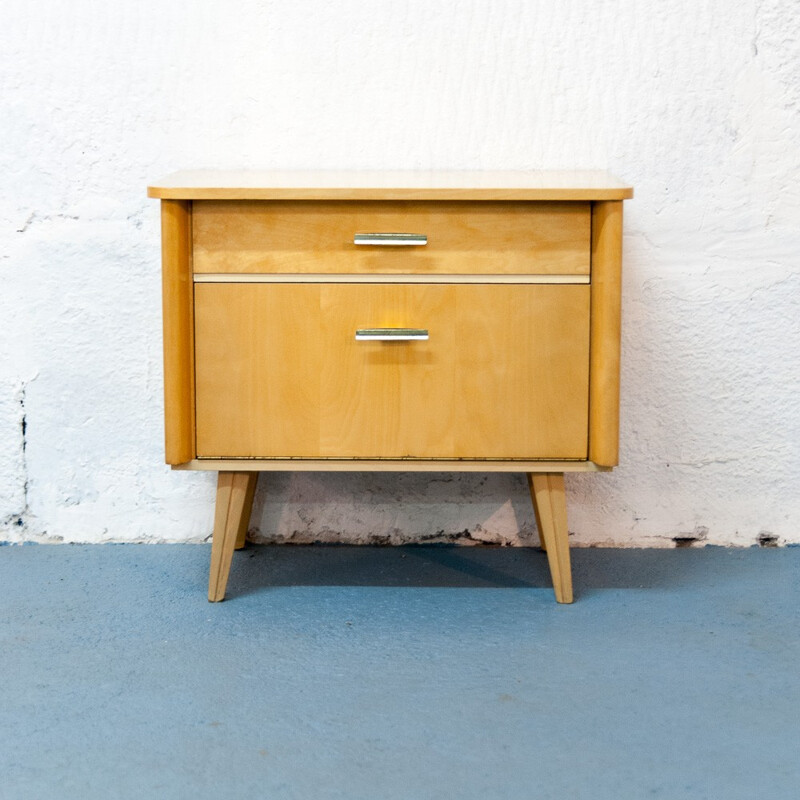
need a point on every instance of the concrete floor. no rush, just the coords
(417, 672)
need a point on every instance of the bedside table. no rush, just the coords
(431, 321)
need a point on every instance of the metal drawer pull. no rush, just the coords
(391, 335)
(417, 239)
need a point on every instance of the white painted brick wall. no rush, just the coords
(696, 104)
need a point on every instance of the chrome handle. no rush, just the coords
(417, 239)
(391, 335)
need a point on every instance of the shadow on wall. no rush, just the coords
(393, 508)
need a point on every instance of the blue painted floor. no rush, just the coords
(417, 672)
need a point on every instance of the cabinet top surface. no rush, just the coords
(390, 185)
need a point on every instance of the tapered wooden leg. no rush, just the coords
(233, 489)
(542, 542)
(550, 506)
(244, 521)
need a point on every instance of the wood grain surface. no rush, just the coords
(504, 374)
(317, 237)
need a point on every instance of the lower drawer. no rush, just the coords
(504, 373)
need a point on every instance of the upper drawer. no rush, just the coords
(547, 238)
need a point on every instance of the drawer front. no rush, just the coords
(231, 236)
(504, 373)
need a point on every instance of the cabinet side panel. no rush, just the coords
(605, 333)
(177, 296)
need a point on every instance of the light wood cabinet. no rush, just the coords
(380, 321)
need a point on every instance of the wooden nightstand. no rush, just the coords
(391, 321)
